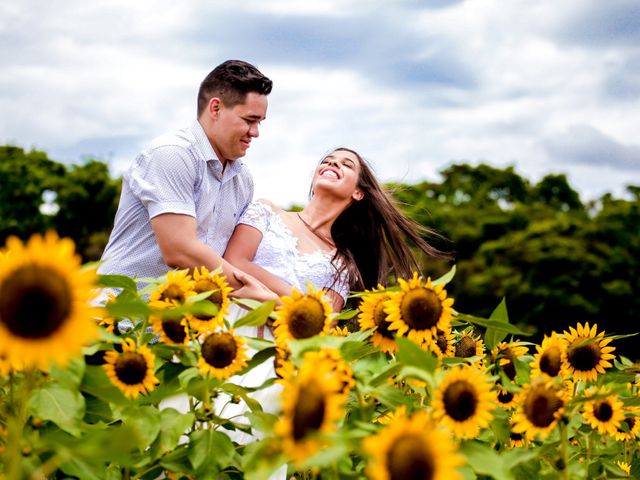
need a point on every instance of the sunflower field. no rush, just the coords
(103, 379)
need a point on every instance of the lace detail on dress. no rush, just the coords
(278, 253)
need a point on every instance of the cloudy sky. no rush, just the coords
(415, 85)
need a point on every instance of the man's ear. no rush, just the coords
(214, 106)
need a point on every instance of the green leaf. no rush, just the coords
(486, 323)
(81, 469)
(210, 451)
(346, 314)
(96, 383)
(355, 350)
(63, 407)
(391, 370)
(131, 307)
(145, 424)
(446, 278)
(485, 460)
(70, 376)
(256, 317)
(173, 425)
(117, 281)
(492, 336)
(411, 354)
(259, 358)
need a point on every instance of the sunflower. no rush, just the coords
(372, 315)
(548, 361)
(517, 440)
(604, 413)
(312, 404)
(174, 291)
(222, 354)
(587, 353)
(107, 322)
(282, 364)
(625, 467)
(45, 316)
(132, 370)
(419, 310)
(540, 406)
(505, 398)
(632, 422)
(171, 330)
(444, 344)
(302, 315)
(339, 331)
(205, 281)
(469, 345)
(411, 447)
(505, 356)
(463, 402)
(336, 366)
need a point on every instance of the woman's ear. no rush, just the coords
(358, 195)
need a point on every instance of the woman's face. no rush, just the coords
(339, 173)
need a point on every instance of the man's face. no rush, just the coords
(234, 128)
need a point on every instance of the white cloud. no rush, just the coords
(413, 85)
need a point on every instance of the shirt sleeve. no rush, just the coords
(164, 181)
(257, 215)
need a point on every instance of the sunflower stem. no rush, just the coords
(563, 450)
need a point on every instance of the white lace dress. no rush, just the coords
(278, 254)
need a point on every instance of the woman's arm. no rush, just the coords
(240, 253)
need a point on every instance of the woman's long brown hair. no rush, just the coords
(374, 236)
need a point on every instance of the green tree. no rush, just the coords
(24, 177)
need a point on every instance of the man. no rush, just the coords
(181, 197)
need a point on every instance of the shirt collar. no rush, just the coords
(209, 154)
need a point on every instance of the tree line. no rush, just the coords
(555, 259)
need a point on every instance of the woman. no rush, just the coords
(350, 236)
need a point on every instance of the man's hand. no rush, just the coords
(252, 288)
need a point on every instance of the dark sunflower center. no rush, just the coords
(460, 400)
(380, 317)
(409, 458)
(442, 342)
(172, 292)
(306, 318)
(508, 366)
(603, 411)
(219, 350)
(131, 368)
(505, 397)
(204, 285)
(466, 347)
(173, 329)
(584, 357)
(309, 412)
(540, 407)
(516, 436)
(550, 361)
(34, 302)
(630, 422)
(421, 309)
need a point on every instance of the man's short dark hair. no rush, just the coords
(231, 81)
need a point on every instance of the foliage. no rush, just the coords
(556, 260)
(566, 408)
(82, 199)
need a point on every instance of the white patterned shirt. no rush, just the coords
(179, 173)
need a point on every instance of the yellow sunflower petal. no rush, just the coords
(45, 312)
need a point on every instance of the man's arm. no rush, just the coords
(180, 247)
